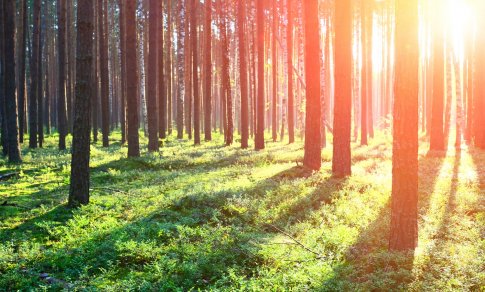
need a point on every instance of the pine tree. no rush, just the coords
(404, 200)
(79, 188)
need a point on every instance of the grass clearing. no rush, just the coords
(221, 218)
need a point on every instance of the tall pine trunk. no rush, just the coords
(312, 157)
(79, 188)
(341, 164)
(404, 200)
(132, 76)
(10, 94)
(260, 108)
(153, 75)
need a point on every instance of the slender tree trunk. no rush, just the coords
(312, 157)
(123, 68)
(10, 97)
(162, 93)
(364, 73)
(33, 76)
(61, 83)
(22, 79)
(195, 74)
(180, 69)
(153, 76)
(404, 200)
(243, 73)
(289, 44)
(208, 71)
(132, 76)
(79, 188)
(341, 164)
(105, 116)
(40, 84)
(274, 62)
(437, 138)
(259, 140)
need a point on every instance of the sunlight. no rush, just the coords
(460, 22)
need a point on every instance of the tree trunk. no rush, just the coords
(123, 69)
(79, 188)
(243, 73)
(103, 54)
(260, 108)
(153, 76)
(132, 76)
(437, 138)
(22, 79)
(10, 97)
(195, 74)
(274, 62)
(312, 157)
(33, 76)
(341, 164)
(61, 83)
(404, 205)
(208, 71)
(289, 44)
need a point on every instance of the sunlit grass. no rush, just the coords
(222, 218)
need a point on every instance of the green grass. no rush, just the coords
(221, 218)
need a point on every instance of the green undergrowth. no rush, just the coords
(220, 218)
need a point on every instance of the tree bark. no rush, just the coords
(10, 96)
(260, 111)
(132, 76)
(61, 83)
(312, 157)
(208, 71)
(341, 164)
(404, 200)
(153, 76)
(195, 73)
(79, 188)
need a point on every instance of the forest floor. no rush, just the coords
(221, 218)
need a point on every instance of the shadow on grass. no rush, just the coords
(368, 264)
(37, 227)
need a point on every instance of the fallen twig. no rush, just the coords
(9, 176)
(318, 255)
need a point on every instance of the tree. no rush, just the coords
(3, 113)
(312, 157)
(404, 200)
(341, 163)
(153, 75)
(22, 79)
(61, 93)
(122, 25)
(364, 72)
(162, 93)
(289, 44)
(225, 76)
(34, 76)
(208, 71)
(132, 79)
(260, 108)
(10, 96)
(195, 73)
(103, 64)
(180, 69)
(243, 73)
(79, 188)
(437, 136)
(274, 67)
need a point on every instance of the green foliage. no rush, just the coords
(222, 218)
